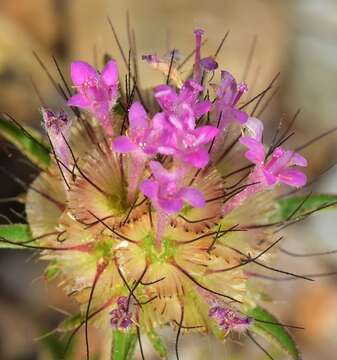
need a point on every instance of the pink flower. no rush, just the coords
(96, 92)
(279, 167)
(144, 136)
(166, 192)
(189, 145)
(228, 95)
(145, 139)
(182, 109)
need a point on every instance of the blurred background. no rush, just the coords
(297, 38)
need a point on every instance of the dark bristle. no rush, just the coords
(170, 67)
(259, 345)
(111, 229)
(217, 51)
(249, 259)
(56, 85)
(316, 139)
(99, 271)
(189, 56)
(250, 58)
(261, 94)
(140, 343)
(67, 87)
(180, 324)
(189, 276)
(299, 255)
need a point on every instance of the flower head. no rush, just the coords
(158, 225)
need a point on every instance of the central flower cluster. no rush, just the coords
(147, 217)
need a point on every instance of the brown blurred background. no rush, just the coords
(298, 38)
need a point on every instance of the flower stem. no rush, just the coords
(123, 345)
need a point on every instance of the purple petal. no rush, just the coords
(78, 100)
(110, 73)
(198, 159)
(159, 121)
(165, 96)
(256, 152)
(81, 71)
(161, 174)
(240, 116)
(255, 126)
(205, 134)
(101, 109)
(297, 159)
(194, 197)
(227, 89)
(270, 178)
(137, 116)
(190, 88)
(122, 144)
(202, 108)
(171, 206)
(166, 150)
(292, 177)
(149, 188)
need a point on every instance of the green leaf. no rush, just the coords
(34, 148)
(157, 343)
(124, 344)
(16, 233)
(294, 206)
(275, 334)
